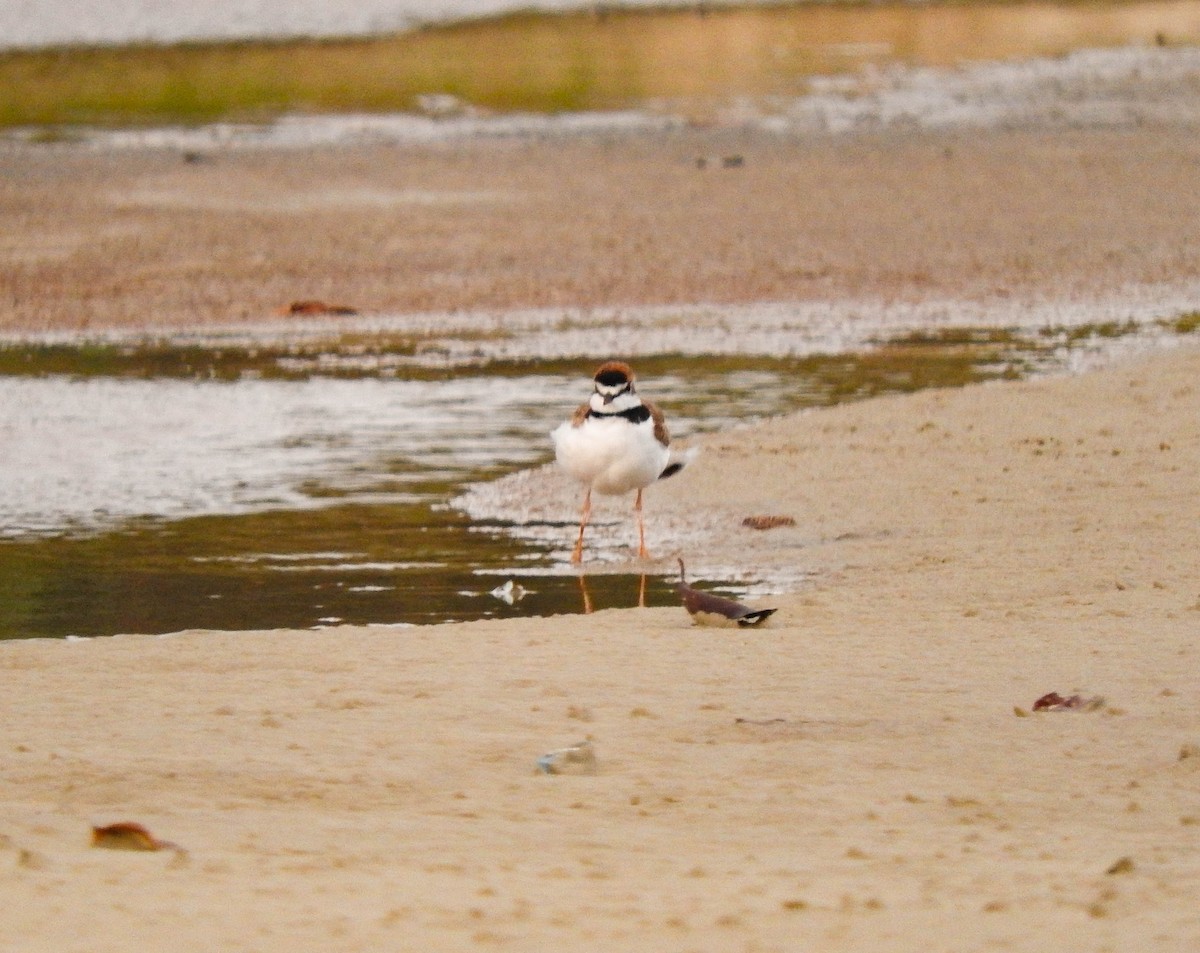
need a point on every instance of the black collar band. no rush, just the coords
(635, 415)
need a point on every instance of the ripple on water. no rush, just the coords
(135, 502)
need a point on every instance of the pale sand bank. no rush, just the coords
(375, 789)
(1024, 220)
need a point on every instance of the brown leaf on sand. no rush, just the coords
(128, 835)
(310, 308)
(1053, 701)
(768, 522)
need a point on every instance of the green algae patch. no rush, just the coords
(598, 59)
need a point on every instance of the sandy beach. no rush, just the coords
(866, 774)
(856, 776)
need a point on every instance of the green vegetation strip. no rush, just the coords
(944, 357)
(520, 62)
(598, 59)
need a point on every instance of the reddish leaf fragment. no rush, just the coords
(313, 307)
(1053, 701)
(768, 522)
(127, 835)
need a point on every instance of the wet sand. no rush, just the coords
(865, 774)
(92, 240)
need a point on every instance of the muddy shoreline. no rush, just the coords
(1086, 193)
(146, 240)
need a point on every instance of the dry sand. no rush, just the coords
(855, 777)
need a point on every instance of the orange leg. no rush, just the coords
(587, 596)
(577, 554)
(637, 506)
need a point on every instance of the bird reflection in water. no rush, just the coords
(585, 594)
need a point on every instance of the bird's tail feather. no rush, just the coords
(679, 462)
(754, 618)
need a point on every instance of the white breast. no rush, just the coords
(612, 456)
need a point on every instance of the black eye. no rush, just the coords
(612, 378)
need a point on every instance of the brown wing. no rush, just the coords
(660, 423)
(696, 600)
(580, 415)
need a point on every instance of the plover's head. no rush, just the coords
(613, 378)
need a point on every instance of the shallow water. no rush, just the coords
(707, 63)
(153, 488)
(958, 28)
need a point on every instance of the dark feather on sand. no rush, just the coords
(706, 608)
